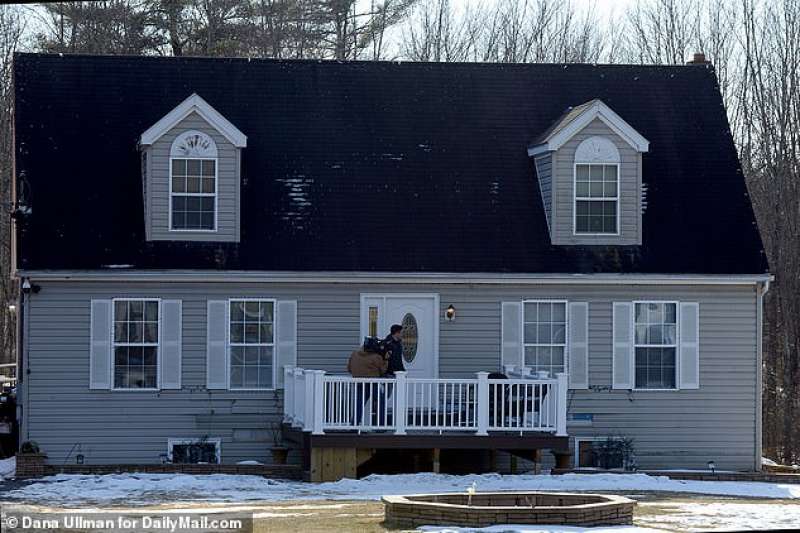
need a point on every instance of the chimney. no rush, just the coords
(699, 59)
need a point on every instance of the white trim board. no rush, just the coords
(413, 278)
(597, 110)
(194, 104)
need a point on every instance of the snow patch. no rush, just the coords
(72, 488)
(511, 528)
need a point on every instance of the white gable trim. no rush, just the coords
(598, 110)
(194, 104)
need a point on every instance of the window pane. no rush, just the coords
(557, 354)
(609, 189)
(208, 185)
(151, 332)
(559, 312)
(251, 377)
(267, 311)
(582, 172)
(582, 188)
(207, 221)
(237, 355)
(544, 334)
(596, 189)
(530, 333)
(209, 166)
(237, 377)
(193, 167)
(545, 312)
(670, 313)
(179, 184)
(582, 224)
(266, 333)
(237, 311)
(265, 377)
(251, 332)
(193, 184)
(582, 208)
(596, 173)
(559, 333)
(178, 167)
(610, 173)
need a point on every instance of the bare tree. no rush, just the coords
(11, 29)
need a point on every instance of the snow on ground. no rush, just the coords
(709, 516)
(510, 528)
(7, 468)
(156, 488)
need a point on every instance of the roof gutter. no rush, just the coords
(411, 278)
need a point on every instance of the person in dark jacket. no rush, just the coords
(394, 349)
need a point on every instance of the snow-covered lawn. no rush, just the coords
(154, 488)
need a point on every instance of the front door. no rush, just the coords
(419, 317)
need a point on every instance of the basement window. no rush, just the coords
(194, 451)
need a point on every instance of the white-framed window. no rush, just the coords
(193, 194)
(251, 343)
(655, 345)
(136, 338)
(193, 182)
(596, 199)
(545, 335)
(202, 450)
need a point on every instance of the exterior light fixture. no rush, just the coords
(12, 308)
(712, 466)
(450, 314)
(79, 459)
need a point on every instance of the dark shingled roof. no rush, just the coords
(372, 166)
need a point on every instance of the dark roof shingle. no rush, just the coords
(372, 166)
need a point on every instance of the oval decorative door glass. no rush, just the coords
(409, 337)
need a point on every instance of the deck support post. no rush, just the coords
(400, 403)
(437, 465)
(561, 405)
(319, 401)
(483, 403)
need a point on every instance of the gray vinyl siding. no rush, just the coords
(672, 429)
(157, 187)
(544, 173)
(630, 186)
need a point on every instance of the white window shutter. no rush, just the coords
(622, 365)
(100, 329)
(689, 338)
(511, 334)
(217, 345)
(171, 325)
(285, 339)
(578, 343)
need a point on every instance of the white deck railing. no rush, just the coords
(317, 402)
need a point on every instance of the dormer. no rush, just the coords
(191, 175)
(589, 168)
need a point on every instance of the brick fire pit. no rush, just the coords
(489, 508)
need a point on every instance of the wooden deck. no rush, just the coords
(335, 455)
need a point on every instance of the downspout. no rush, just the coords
(761, 290)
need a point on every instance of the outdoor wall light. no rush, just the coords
(12, 308)
(79, 459)
(712, 466)
(450, 314)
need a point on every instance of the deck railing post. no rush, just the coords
(288, 393)
(561, 404)
(319, 402)
(298, 408)
(483, 403)
(309, 399)
(400, 403)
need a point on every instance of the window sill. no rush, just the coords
(135, 390)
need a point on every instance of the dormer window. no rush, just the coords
(193, 183)
(589, 167)
(596, 188)
(192, 175)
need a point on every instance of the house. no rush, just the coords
(202, 243)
